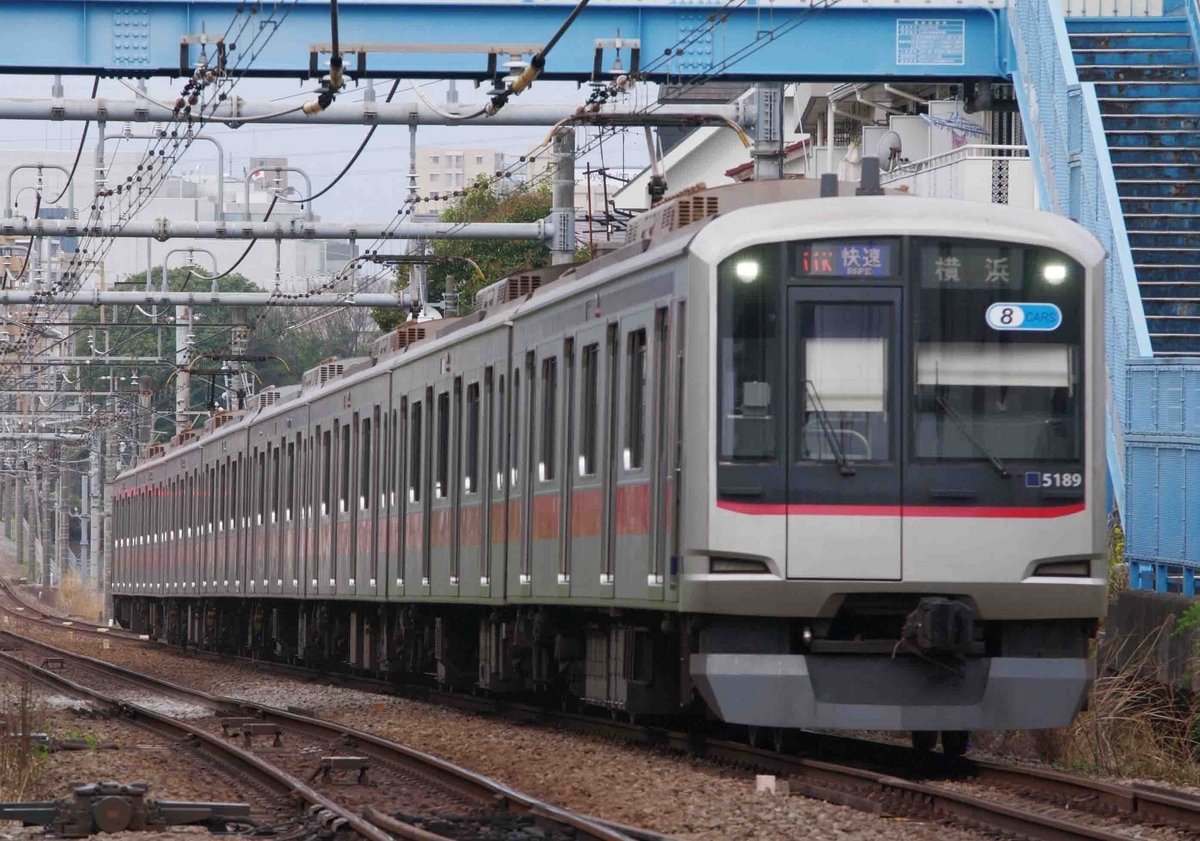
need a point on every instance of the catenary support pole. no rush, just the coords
(562, 248)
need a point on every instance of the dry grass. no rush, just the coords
(21, 764)
(79, 599)
(1134, 727)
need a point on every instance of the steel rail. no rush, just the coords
(842, 784)
(263, 773)
(445, 774)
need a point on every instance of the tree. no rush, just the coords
(292, 339)
(482, 202)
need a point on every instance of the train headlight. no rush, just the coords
(746, 270)
(732, 566)
(1065, 569)
(1055, 273)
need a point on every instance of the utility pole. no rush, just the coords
(562, 249)
(62, 537)
(95, 500)
(768, 132)
(44, 525)
(19, 510)
(183, 380)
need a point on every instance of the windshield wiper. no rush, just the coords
(843, 463)
(951, 413)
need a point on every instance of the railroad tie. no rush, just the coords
(329, 764)
(263, 729)
(235, 723)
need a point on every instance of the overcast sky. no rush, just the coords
(374, 189)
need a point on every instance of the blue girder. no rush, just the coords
(783, 40)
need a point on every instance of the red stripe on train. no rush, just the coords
(1016, 513)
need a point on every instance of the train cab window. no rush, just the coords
(635, 410)
(589, 404)
(549, 419)
(364, 467)
(843, 381)
(471, 462)
(441, 485)
(750, 398)
(998, 357)
(414, 455)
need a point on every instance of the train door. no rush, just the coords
(843, 376)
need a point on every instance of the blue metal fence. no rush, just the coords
(1063, 124)
(1153, 404)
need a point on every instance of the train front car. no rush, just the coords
(901, 523)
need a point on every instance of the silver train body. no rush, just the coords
(782, 460)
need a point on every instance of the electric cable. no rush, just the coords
(78, 152)
(37, 208)
(349, 164)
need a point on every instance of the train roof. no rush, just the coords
(710, 222)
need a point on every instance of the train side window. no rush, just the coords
(382, 455)
(588, 426)
(344, 479)
(223, 505)
(212, 498)
(261, 491)
(239, 494)
(394, 461)
(635, 411)
(471, 440)
(364, 467)
(496, 451)
(275, 479)
(549, 419)
(414, 455)
(326, 470)
(514, 430)
(441, 486)
(291, 481)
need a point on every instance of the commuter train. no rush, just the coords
(781, 460)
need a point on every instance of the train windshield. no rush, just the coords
(862, 355)
(997, 356)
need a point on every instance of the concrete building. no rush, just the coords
(194, 195)
(926, 141)
(443, 170)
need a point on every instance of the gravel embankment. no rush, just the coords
(677, 795)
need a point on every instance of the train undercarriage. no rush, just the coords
(630, 663)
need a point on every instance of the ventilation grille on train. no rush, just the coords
(519, 285)
(264, 399)
(187, 436)
(220, 419)
(674, 212)
(695, 208)
(406, 334)
(155, 450)
(324, 373)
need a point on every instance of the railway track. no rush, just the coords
(879, 778)
(365, 769)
